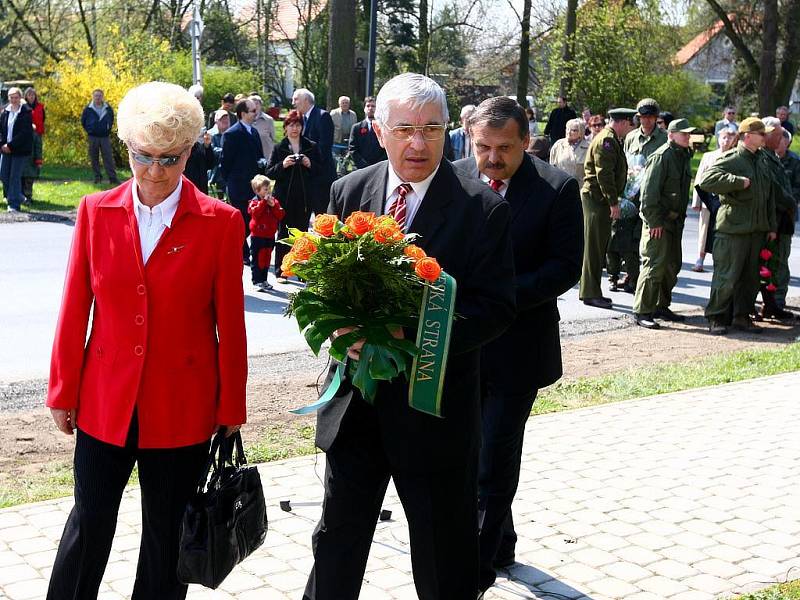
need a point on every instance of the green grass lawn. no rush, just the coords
(782, 591)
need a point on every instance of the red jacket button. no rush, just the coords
(138, 350)
(139, 320)
(140, 289)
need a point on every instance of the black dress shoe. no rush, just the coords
(645, 321)
(668, 315)
(628, 289)
(715, 328)
(746, 325)
(777, 313)
(598, 302)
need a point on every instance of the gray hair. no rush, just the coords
(308, 94)
(257, 98)
(578, 123)
(15, 90)
(771, 122)
(410, 87)
(344, 98)
(467, 110)
(787, 135)
(196, 90)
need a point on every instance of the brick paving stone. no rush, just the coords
(16, 573)
(719, 568)
(662, 586)
(578, 572)
(613, 588)
(559, 587)
(672, 569)
(627, 571)
(693, 595)
(638, 556)
(650, 541)
(684, 554)
(26, 590)
(708, 583)
(593, 557)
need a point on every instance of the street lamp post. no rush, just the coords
(196, 31)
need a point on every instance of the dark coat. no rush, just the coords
(200, 162)
(21, 142)
(94, 125)
(319, 129)
(547, 234)
(294, 186)
(465, 226)
(364, 146)
(241, 152)
(556, 126)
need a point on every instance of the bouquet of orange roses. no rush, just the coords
(363, 274)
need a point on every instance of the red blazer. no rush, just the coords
(167, 338)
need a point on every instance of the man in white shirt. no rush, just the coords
(728, 121)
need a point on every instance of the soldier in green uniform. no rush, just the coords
(745, 220)
(627, 232)
(664, 196)
(786, 207)
(606, 172)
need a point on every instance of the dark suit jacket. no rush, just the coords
(465, 226)
(319, 129)
(238, 164)
(21, 142)
(364, 147)
(547, 233)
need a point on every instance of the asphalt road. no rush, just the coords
(33, 258)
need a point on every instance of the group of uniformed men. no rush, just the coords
(635, 194)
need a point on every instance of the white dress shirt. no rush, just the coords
(413, 198)
(503, 189)
(12, 118)
(154, 221)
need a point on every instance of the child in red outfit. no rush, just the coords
(265, 215)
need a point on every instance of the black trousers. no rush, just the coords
(440, 506)
(167, 477)
(504, 417)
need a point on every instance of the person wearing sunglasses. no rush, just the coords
(432, 460)
(157, 265)
(728, 121)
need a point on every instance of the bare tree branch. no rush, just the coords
(46, 49)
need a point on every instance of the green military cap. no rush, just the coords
(681, 125)
(647, 107)
(754, 125)
(621, 113)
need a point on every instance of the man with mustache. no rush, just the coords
(547, 238)
(432, 460)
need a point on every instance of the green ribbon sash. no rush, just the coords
(433, 340)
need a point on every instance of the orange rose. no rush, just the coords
(324, 224)
(360, 222)
(428, 268)
(387, 230)
(287, 263)
(414, 252)
(303, 248)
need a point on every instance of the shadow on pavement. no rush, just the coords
(524, 580)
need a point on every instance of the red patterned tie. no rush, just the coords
(398, 207)
(496, 184)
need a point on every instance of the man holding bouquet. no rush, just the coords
(547, 233)
(432, 460)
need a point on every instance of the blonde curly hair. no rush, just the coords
(160, 116)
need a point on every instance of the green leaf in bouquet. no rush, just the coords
(361, 377)
(343, 342)
(406, 346)
(380, 364)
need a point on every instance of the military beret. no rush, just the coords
(647, 107)
(621, 113)
(681, 125)
(754, 125)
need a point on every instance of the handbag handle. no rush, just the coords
(224, 450)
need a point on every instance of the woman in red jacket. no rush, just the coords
(158, 266)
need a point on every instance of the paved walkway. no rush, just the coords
(683, 496)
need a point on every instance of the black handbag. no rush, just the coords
(226, 520)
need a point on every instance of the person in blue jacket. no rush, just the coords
(97, 119)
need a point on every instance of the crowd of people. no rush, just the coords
(21, 130)
(166, 363)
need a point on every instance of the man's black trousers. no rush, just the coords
(504, 417)
(167, 478)
(441, 508)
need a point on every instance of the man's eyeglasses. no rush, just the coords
(164, 161)
(593, 125)
(406, 133)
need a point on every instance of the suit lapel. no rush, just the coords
(133, 223)
(431, 213)
(374, 196)
(518, 194)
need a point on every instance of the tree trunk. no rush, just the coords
(524, 55)
(791, 54)
(341, 50)
(767, 71)
(569, 47)
(424, 37)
